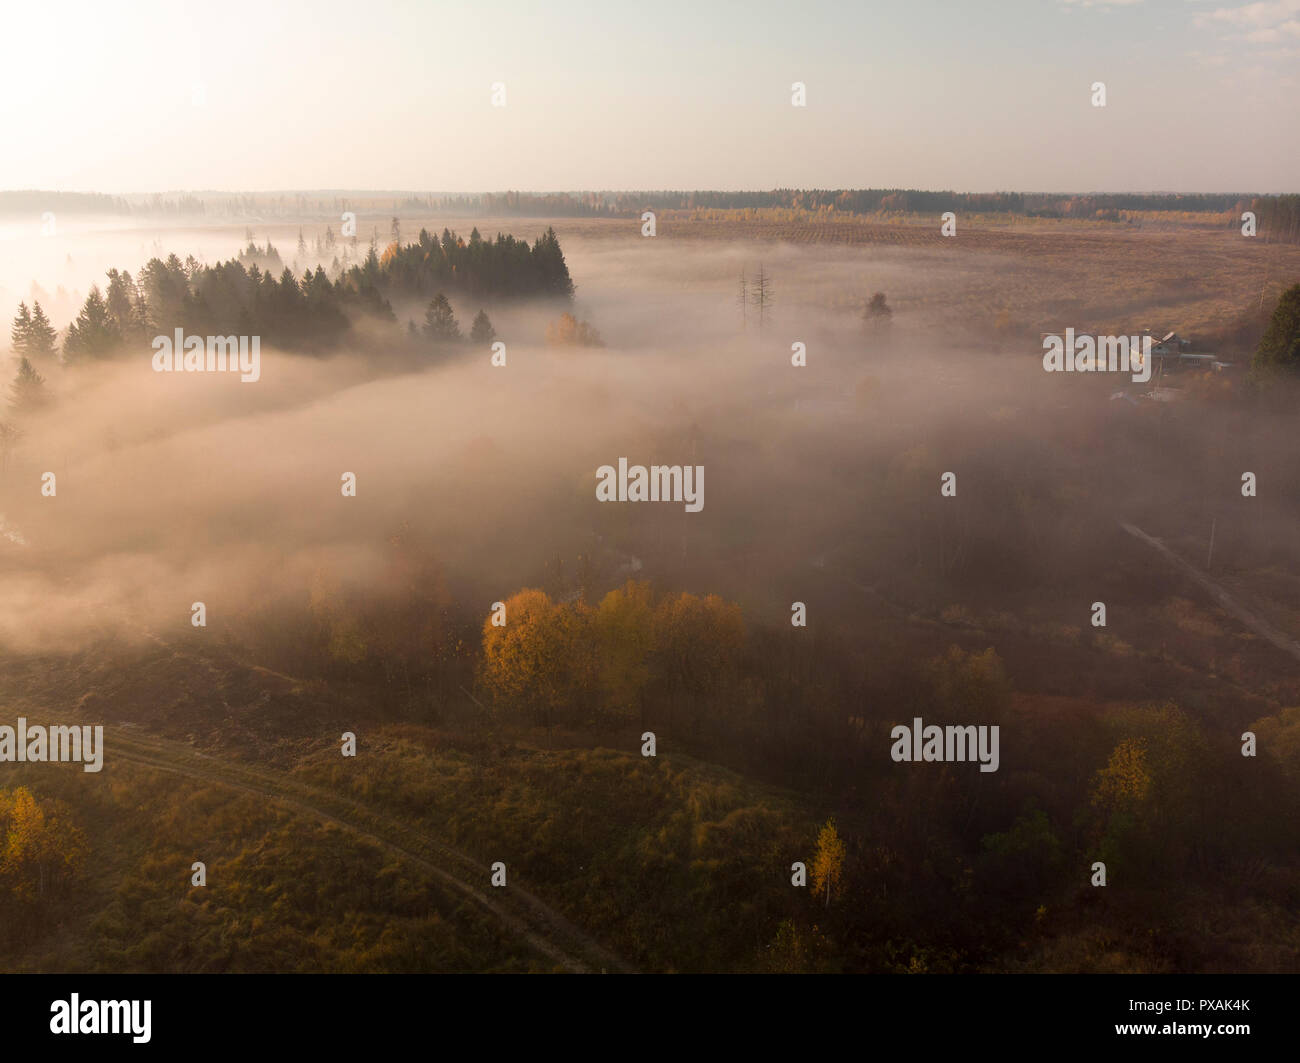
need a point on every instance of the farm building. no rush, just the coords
(1172, 353)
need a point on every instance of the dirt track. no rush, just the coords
(540, 926)
(1221, 597)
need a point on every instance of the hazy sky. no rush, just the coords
(154, 96)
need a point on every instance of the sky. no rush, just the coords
(154, 96)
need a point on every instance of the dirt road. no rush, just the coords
(1224, 600)
(539, 925)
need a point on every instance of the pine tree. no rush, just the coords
(552, 269)
(482, 331)
(121, 298)
(27, 393)
(20, 335)
(439, 322)
(140, 314)
(42, 341)
(1279, 349)
(94, 334)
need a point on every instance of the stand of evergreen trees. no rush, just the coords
(308, 313)
(504, 267)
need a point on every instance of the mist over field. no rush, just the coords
(176, 487)
(903, 516)
(514, 491)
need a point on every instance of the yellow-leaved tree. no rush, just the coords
(828, 861)
(40, 847)
(624, 639)
(1125, 780)
(539, 662)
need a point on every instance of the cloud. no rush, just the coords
(1288, 30)
(1264, 22)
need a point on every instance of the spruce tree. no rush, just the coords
(20, 334)
(42, 341)
(1279, 349)
(94, 334)
(27, 393)
(440, 323)
(549, 262)
(482, 331)
(121, 298)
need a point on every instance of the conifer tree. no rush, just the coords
(42, 340)
(94, 334)
(20, 334)
(27, 392)
(439, 322)
(482, 331)
(1279, 349)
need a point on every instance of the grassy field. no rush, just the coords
(1183, 272)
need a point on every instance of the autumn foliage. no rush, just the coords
(41, 849)
(570, 662)
(568, 331)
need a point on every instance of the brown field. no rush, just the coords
(1192, 273)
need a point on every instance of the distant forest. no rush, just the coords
(1279, 215)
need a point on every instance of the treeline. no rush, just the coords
(571, 663)
(942, 867)
(1278, 218)
(629, 203)
(504, 267)
(41, 849)
(852, 201)
(35, 202)
(313, 312)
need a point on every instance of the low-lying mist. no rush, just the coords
(175, 488)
